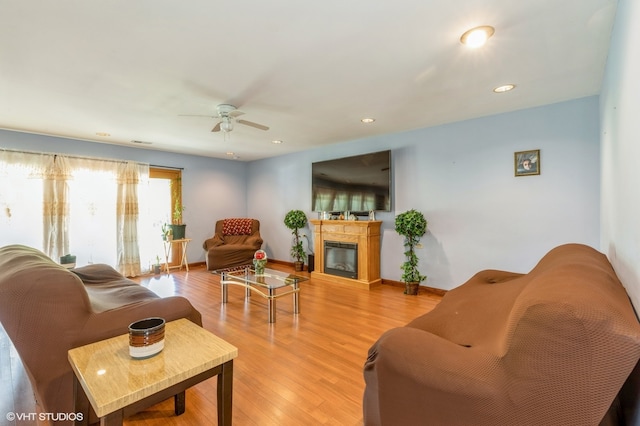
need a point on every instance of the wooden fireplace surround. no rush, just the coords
(364, 233)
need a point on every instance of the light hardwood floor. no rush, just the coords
(304, 369)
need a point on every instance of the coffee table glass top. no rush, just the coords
(269, 279)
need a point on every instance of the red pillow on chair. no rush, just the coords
(237, 226)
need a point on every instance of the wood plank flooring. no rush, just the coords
(303, 369)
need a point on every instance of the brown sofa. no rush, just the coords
(233, 243)
(47, 310)
(551, 347)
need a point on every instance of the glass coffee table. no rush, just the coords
(271, 284)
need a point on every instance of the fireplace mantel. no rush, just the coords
(365, 233)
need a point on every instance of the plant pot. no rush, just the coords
(178, 231)
(411, 288)
(298, 265)
(156, 269)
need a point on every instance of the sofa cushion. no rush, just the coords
(237, 226)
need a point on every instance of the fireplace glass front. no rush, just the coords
(341, 259)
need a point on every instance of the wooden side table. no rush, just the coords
(184, 242)
(117, 385)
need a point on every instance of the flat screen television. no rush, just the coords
(357, 184)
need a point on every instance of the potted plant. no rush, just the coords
(295, 220)
(156, 266)
(166, 232)
(411, 225)
(177, 227)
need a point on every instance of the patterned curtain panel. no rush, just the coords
(55, 217)
(127, 217)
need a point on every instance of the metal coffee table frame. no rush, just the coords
(265, 285)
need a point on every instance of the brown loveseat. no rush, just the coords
(47, 310)
(233, 243)
(551, 347)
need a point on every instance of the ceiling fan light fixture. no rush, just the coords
(477, 37)
(226, 125)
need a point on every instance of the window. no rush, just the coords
(158, 208)
(101, 211)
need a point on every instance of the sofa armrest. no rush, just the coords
(412, 375)
(215, 241)
(254, 241)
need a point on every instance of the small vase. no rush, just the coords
(259, 262)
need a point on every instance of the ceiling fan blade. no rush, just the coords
(252, 124)
(235, 113)
(197, 115)
(217, 127)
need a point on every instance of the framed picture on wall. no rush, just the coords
(527, 163)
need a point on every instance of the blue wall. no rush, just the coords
(459, 175)
(620, 104)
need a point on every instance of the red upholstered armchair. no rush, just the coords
(233, 243)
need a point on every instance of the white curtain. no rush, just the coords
(127, 217)
(55, 206)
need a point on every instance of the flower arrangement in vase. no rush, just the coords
(259, 261)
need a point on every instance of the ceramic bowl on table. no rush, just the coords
(146, 337)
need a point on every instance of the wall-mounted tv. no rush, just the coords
(357, 184)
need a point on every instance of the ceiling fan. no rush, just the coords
(227, 115)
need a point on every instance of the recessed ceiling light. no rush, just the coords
(231, 153)
(368, 120)
(477, 37)
(504, 88)
(103, 134)
(276, 142)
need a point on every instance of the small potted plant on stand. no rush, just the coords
(295, 220)
(411, 225)
(166, 232)
(178, 228)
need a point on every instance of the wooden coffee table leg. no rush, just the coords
(81, 403)
(225, 394)
(180, 403)
(112, 419)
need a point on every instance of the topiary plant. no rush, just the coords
(411, 225)
(295, 220)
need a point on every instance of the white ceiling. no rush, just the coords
(308, 70)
